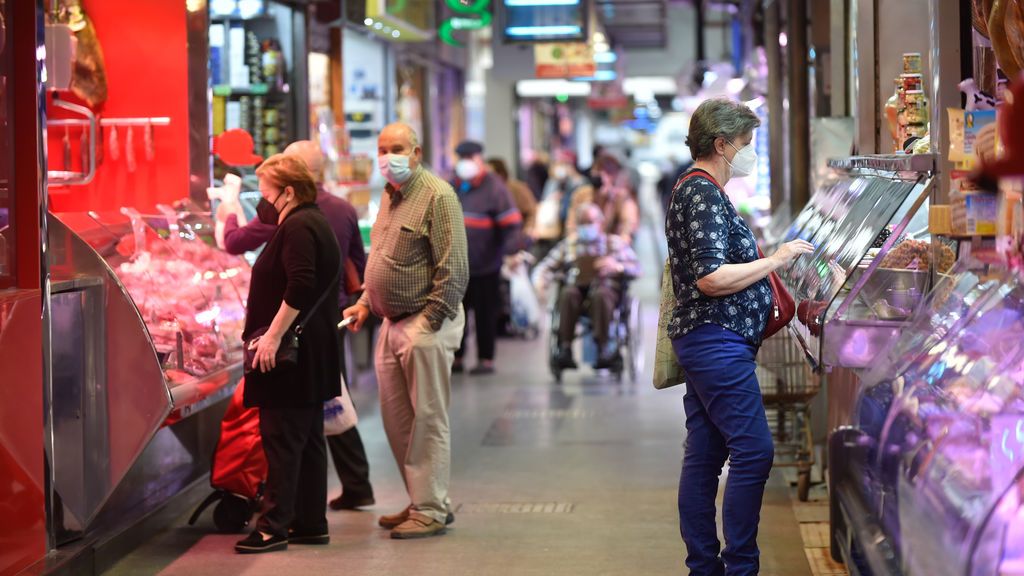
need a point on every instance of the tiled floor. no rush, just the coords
(576, 479)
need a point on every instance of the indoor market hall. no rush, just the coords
(512, 287)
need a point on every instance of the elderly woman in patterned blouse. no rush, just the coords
(722, 304)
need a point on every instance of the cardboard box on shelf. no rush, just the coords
(940, 219)
(975, 213)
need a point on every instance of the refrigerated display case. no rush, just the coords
(930, 479)
(189, 296)
(858, 287)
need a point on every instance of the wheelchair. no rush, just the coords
(626, 331)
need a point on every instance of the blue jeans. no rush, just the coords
(724, 419)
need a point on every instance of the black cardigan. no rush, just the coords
(298, 265)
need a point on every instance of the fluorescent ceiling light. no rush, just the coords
(605, 57)
(222, 7)
(249, 8)
(550, 88)
(541, 2)
(542, 30)
(657, 85)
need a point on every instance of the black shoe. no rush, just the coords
(300, 537)
(449, 519)
(256, 543)
(565, 360)
(346, 502)
(612, 362)
(482, 370)
(457, 367)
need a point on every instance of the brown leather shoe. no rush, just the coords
(418, 526)
(392, 521)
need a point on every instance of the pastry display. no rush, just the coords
(917, 255)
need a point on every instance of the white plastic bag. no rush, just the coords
(339, 413)
(525, 309)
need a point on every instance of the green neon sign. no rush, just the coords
(476, 16)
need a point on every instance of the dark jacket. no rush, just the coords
(298, 265)
(493, 223)
(340, 214)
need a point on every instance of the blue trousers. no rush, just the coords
(725, 419)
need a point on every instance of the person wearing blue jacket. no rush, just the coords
(493, 225)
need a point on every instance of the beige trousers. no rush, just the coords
(414, 371)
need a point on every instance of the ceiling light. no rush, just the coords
(249, 8)
(378, 26)
(601, 47)
(517, 3)
(543, 30)
(598, 37)
(396, 34)
(650, 85)
(551, 88)
(368, 21)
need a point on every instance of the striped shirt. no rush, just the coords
(418, 259)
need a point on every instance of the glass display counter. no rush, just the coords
(930, 480)
(872, 260)
(189, 295)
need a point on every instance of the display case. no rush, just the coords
(931, 478)
(872, 260)
(189, 295)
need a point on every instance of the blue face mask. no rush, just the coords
(588, 233)
(395, 168)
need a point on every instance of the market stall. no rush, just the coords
(142, 314)
(931, 479)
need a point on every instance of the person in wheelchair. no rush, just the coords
(594, 267)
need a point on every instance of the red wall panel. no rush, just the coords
(23, 530)
(145, 50)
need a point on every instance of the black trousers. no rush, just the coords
(483, 298)
(348, 453)
(296, 492)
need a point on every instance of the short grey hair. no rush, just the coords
(414, 139)
(717, 117)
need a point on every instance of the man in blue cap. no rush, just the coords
(493, 226)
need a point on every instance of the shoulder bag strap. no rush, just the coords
(298, 329)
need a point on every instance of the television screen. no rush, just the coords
(544, 20)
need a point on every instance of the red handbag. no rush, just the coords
(783, 305)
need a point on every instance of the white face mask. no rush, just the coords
(395, 168)
(744, 162)
(467, 169)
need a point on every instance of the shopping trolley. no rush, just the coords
(787, 386)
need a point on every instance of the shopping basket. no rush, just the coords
(787, 387)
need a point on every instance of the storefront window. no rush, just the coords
(6, 154)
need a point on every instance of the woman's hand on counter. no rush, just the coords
(360, 312)
(790, 251)
(266, 352)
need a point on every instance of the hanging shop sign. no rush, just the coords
(564, 60)
(472, 15)
(400, 20)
